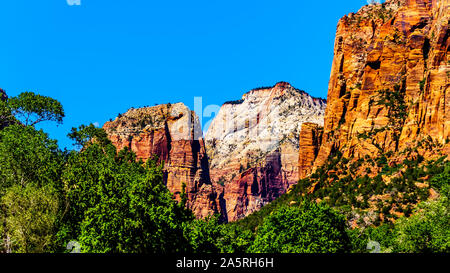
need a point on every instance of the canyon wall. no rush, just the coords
(389, 84)
(309, 144)
(253, 145)
(173, 133)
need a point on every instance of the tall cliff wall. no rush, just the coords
(171, 132)
(309, 144)
(389, 84)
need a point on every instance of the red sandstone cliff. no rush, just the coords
(389, 85)
(171, 132)
(309, 144)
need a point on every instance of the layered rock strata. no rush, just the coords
(173, 133)
(253, 145)
(389, 85)
(309, 144)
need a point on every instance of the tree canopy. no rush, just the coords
(310, 228)
(31, 108)
(117, 204)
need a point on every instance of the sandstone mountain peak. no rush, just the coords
(389, 83)
(178, 118)
(173, 133)
(278, 89)
(253, 145)
(283, 85)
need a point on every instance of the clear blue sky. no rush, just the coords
(103, 57)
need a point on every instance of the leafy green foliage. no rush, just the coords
(234, 239)
(427, 230)
(310, 228)
(28, 156)
(209, 236)
(203, 235)
(86, 134)
(31, 108)
(30, 188)
(441, 180)
(382, 234)
(29, 217)
(422, 84)
(6, 116)
(118, 205)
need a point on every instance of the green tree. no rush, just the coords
(383, 234)
(118, 205)
(234, 239)
(29, 216)
(28, 156)
(85, 134)
(310, 228)
(427, 230)
(209, 236)
(6, 116)
(30, 170)
(443, 179)
(32, 109)
(203, 235)
(30, 189)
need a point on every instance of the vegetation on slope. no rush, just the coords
(392, 208)
(108, 202)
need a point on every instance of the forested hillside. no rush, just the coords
(108, 202)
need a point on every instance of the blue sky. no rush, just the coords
(103, 57)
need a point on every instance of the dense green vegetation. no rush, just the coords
(310, 228)
(424, 226)
(108, 202)
(117, 204)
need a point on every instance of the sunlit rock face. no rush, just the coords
(398, 51)
(253, 145)
(309, 144)
(173, 133)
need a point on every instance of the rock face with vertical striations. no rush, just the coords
(173, 133)
(389, 85)
(309, 144)
(253, 147)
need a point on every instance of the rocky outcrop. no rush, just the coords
(309, 144)
(173, 133)
(389, 85)
(253, 145)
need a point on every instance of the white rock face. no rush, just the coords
(244, 132)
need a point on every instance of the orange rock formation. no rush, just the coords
(171, 132)
(389, 85)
